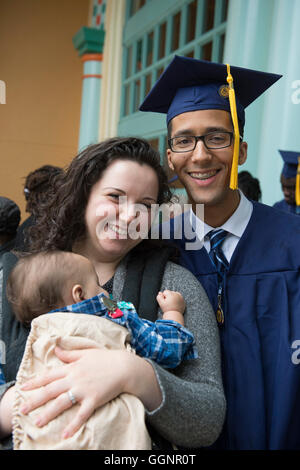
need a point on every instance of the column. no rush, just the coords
(112, 69)
(281, 113)
(248, 43)
(89, 43)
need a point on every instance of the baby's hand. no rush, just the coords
(169, 300)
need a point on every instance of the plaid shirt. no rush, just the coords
(166, 342)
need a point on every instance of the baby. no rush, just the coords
(54, 292)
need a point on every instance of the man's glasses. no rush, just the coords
(212, 140)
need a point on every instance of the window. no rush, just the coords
(208, 17)
(176, 31)
(129, 62)
(153, 33)
(162, 40)
(135, 6)
(150, 40)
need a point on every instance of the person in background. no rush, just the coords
(37, 185)
(245, 254)
(249, 186)
(9, 222)
(288, 176)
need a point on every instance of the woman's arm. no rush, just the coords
(193, 407)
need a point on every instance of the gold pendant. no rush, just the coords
(220, 316)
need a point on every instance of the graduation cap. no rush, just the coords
(290, 165)
(189, 84)
(291, 169)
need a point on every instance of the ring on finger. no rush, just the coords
(72, 397)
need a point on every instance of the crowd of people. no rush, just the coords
(114, 340)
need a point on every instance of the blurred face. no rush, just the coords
(205, 173)
(288, 188)
(118, 212)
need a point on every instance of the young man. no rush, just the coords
(288, 182)
(249, 266)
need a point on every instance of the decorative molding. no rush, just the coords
(89, 40)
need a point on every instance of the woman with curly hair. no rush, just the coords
(37, 187)
(92, 214)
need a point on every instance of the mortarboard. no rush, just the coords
(189, 84)
(290, 160)
(291, 169)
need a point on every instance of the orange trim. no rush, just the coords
(97, 57)
(91, 76)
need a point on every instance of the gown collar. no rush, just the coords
(236, 224)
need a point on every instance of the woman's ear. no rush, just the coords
(243, 153)
(77, 293)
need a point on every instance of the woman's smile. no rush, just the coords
(120, 232)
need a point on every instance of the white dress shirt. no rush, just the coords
(235, 226)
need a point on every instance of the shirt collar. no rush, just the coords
(236, 224)
(92, 305)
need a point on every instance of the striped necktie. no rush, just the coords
(216, 238)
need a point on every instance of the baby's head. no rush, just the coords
(48, 280)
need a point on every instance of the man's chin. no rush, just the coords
(207, 200)
(290, 203)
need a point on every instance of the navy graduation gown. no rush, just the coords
(260, 366)
(284, 206)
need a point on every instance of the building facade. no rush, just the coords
(74, 72)
(41, 76)
(141, 38)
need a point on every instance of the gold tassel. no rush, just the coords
(236, 147)
(297, 191)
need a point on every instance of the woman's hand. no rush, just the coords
(95, 377)
(6, 406)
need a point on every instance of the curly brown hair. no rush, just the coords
(62, 218)
(37, 185)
